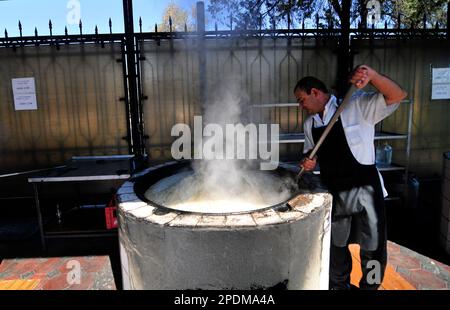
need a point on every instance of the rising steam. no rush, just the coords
(223, 185)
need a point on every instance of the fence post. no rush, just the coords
(345, 58)
(134, 102)
(448, 19)
(201, 52)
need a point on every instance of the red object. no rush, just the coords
(111, 214)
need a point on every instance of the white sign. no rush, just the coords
(440, 91)
(24, 92)
(441, 75)
(440, 88)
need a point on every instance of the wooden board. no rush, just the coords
(392, 279)
(19, 284)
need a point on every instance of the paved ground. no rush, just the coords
(57, 273)
(422, 272)
(65, 248)
(406, 270)
(414, 230)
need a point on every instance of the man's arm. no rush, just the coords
(391, 91)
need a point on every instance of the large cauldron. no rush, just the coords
(276, 246)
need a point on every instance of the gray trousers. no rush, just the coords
(358, 217)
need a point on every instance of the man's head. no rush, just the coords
(312, 94)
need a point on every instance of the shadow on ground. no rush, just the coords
(416, 226)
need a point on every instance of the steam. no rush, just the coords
(223, 184)
(223, 175)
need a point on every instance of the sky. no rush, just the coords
(36, 13)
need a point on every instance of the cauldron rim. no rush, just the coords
(140, 179)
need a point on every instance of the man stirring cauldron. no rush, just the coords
(347, 168)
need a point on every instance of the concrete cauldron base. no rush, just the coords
(286, 248)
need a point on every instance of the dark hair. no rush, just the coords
(309, 82)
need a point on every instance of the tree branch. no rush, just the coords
(257, 4)
(337, 8)
(271, 8)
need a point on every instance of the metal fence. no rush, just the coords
(79, 109)
(92, 103)
(410, 62)
(265, 69)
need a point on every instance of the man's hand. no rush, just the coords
(391, 91)
(362, 75)
(308, 164)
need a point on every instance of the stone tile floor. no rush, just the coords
(57, 273)
(407, 270)
(422, 272)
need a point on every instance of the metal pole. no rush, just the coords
(201, 53)
(126, 99)
(448, 19)
(408, 149)
(136, 137)
(344, 50)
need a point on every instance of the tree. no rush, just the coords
(180, 19)
(251, 14)
(413, 11)
(342, 14)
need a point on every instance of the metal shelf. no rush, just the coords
(391, 167)
(291, 138)
(383, 135)
(81, 234)
(290, 104)
(300, 137)
(392, 198)
(276, 105)
(86, 222)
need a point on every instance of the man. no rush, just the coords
(347, 168)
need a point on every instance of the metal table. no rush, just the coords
(81, 169)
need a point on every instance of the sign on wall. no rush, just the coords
(440, 86)
(24, 92)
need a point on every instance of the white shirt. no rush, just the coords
(358, 120)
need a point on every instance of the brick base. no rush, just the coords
(61, 273)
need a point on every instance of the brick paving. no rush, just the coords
(59, 273)
(406, 270)
(420, 271)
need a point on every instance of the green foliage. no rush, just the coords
(413, 11)
(253, 14)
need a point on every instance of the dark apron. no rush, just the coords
(358, 203)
